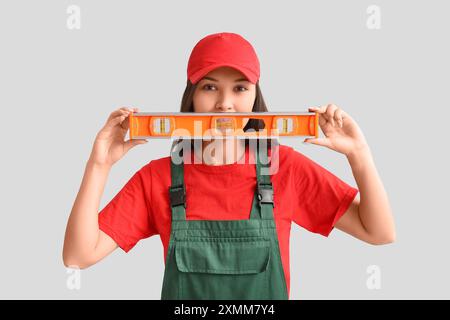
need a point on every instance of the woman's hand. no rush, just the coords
(342, 134)
(109, 145)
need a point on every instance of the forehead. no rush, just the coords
(226, 72)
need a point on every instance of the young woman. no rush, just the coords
(224, 225)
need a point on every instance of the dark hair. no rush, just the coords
(187, 105)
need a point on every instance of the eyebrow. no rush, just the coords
(212, 79)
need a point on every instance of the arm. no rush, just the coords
(368, 218)
(84, 243)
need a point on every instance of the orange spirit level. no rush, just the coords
(193, 125)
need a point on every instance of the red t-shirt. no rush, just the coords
(304, 192)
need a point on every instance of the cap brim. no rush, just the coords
(204, 71)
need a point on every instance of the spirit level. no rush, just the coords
(145, 125)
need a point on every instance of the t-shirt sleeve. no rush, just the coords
(128, 217)
(321, 197)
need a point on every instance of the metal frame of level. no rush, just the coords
(221, 125)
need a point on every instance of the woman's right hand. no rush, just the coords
(109, 145)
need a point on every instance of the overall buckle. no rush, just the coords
(177, 195)
(265, 194)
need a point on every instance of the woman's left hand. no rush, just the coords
(342, 133)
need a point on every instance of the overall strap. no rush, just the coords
(263, 199)
(177, 191)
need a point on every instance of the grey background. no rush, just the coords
(393, 81)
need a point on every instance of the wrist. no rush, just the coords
(93, 164)
(358, 152)
(359, 157)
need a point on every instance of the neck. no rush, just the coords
(221, 151)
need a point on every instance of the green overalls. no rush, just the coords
(223, 259)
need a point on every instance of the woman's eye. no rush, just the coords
(209, 87)
(241, 88)
(206, 87)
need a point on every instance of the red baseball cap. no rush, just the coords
(223, 49)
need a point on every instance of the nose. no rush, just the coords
(225, 103)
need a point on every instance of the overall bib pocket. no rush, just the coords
(223, 268)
